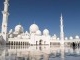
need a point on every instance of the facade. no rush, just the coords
(34, 36)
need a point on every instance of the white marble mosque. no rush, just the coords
(34, 36)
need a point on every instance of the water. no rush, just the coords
(17, 52)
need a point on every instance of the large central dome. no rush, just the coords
(33, 28)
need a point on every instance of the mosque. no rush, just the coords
(34, 36)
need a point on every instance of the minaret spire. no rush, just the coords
(61, 30)
(5, 20)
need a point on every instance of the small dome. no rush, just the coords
(38, 32)
(26, 32)
(33, 28)
(70, 37)
(54, 37)
(66, 38)
(46, 32)
(77, 37)
(19, 29)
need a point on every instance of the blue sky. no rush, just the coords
(46, 14)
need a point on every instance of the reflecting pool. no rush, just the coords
(23, 52)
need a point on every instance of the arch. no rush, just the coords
(36, 42)
(9, 42)
(21, 43)
(14, 42)
(40, 42)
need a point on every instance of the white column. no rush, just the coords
(5, 20)
(62, 52)
(61, 30)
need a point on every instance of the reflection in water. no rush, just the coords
(16, 52)
(62, 52)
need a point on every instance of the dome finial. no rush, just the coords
(19, 23)
(61, 16)
(34, 21)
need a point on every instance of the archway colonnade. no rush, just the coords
(18, 43)
(77, 43)
(66, 43)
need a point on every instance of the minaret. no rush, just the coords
(5, 20)
(61, 30)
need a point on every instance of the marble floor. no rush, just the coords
(23, 52)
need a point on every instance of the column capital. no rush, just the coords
(3, 12)
(6, 3)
